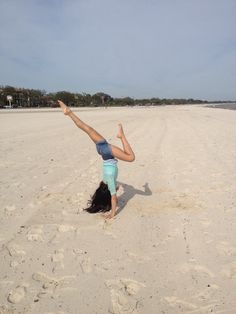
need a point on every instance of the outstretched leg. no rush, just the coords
(93, 134)
(127, 153)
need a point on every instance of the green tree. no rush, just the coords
(67, 97)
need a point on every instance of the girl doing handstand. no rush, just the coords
(104, 198)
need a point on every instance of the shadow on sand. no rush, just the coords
(130, 192)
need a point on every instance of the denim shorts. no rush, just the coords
(104, 149)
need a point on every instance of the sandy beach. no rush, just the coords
(170, 249)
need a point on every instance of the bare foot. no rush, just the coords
(120, 133)
(66, 110)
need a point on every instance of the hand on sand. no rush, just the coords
(108, 216)
(66, 110)
(120, 133)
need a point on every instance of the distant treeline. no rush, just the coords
(29, 98)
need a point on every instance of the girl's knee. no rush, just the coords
(131, 158)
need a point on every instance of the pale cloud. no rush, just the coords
(141, 48)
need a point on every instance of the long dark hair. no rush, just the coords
(100, 201)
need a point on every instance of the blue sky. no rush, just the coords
(137, 48)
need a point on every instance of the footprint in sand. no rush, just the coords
(199, 269)
(9, 210)
(105, 265)
(13, 264)
(123, 295)
(131, 287)
(77, 251)
(107, 225)
(110, 233)
(50, 284)
(5, 310)
(225, 248)
(208, 293)
(208, 237)
(58, 312)
(86, 265)
(138, 258)
(16, 295)
(180, 304)
(65, 228)
(57, 257)
(205, 222)
(35, 233)
(229, 270)
(15, 250)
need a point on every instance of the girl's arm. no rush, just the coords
(113, 207)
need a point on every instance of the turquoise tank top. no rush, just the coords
(110, 174)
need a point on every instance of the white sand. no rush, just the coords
(173, 251)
